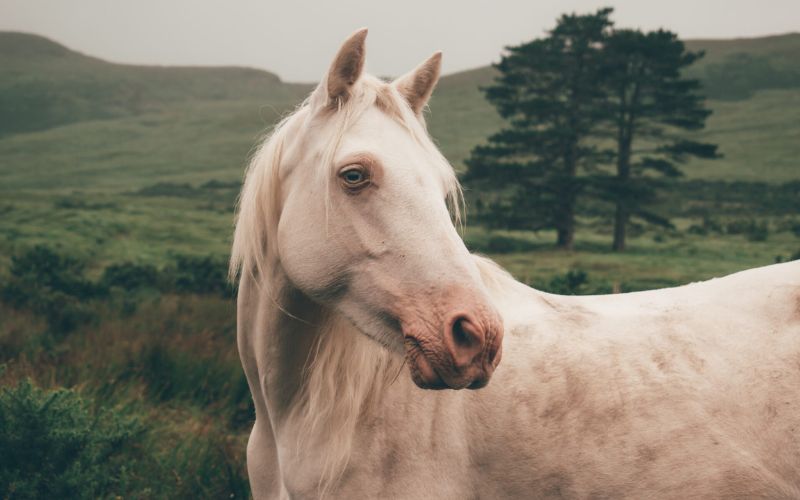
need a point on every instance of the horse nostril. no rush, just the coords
(465, 341)
(461, 337)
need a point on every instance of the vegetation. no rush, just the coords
(564, 96)
(548, 92)
(53, 447)
(157, 407)
(117, 187)
(650, 99)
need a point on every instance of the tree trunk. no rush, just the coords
(565, 228)
(622, 214)
(620, 224)
(565, 216)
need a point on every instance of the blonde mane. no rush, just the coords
(345, 370)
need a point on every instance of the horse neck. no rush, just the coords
(315, 366)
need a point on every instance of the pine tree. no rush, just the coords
(650, 106)
(548, 91)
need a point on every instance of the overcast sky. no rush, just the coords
(297, 38)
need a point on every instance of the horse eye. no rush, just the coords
(353, 176)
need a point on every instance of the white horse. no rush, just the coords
(354, 283)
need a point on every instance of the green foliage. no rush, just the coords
(752, 229)
(130, 276)
(563, 97)
(55, 446)
(547, 90)
(172, 374)
(52, 285)
(570, 283)
(649, 98)
(201, 275)
(42, 267)
(497, 243)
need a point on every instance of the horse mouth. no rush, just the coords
(425, 374)
(422, 371)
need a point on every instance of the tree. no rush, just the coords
(548, 91)
(650, 104)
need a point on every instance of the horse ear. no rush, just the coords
(347, 66)
(417, 85)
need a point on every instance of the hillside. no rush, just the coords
(44, 84)
(109, 160)
(164, 123)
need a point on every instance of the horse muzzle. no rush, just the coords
(463, 354)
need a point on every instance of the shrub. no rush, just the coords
(54, 446)
(696, 229)
(201, 275)
(499, 243)
(41, 267)
(52, 285)
(570, 283)
(130, 276)
(758, 232)
(751, 229)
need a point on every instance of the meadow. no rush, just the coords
(105, 165)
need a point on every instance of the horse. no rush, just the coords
(387, 361)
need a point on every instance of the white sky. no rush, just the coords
(297, 38)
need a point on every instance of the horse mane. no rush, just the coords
(345, 370)
(345, 376)
(499, 282)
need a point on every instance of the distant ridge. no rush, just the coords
(44, 84)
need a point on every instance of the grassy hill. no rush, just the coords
(44, 84)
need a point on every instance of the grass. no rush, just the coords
(172, 367)
(654, 259)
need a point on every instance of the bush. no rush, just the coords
(792, 257)
(130, 276)
(569, 283)
(696, 229)
(52, 285)
(41, 267)
(54, 446)
(758, 232)
(201, 275)
(500, 243)
(750, 228)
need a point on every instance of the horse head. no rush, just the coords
(363, 210)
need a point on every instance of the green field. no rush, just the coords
(111, 163)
